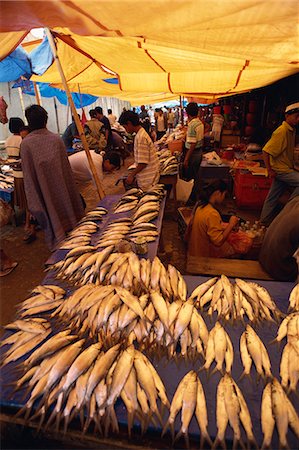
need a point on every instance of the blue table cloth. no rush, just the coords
(171, 373)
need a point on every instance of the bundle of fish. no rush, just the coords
(190, 398)
(128, 201)
(231, 408)
(107, 310)
(74, 377)
(294, 299)
(147, 209)
(114, 232)
(112, 313)
(277, 409)
(289, 365)
(44, 298)
(234, 302)
(82, 233)
(6, 181)
(168, 164)
(252, 349)
(28, 333)
(86, 265)
(219, 348)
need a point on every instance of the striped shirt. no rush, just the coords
(12, 148)
(195, 133)
(145, 153)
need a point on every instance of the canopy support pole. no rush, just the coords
(75, 114)
(22, 101)
(56, 115)
(36, 93)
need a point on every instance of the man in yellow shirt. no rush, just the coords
(278, 155)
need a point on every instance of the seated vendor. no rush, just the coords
(208, 235)
(281, 243)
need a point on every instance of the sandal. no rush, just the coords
(8, 269)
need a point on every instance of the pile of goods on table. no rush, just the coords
(80, 352)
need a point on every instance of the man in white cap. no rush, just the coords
(278, 155)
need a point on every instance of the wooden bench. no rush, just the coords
(239, 268)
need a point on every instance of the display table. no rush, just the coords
(171, 373)
(241, 268)
(109, 202)
(211, 171)
(170, 179)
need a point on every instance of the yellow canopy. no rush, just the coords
(163, 48)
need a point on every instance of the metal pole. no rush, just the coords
(75, 114)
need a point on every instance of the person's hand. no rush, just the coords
(234, 220)
(271, 173)
(130, 178)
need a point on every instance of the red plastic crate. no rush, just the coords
(251, 190)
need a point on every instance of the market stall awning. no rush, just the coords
(172, 47)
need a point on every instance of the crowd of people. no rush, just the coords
(42, 163)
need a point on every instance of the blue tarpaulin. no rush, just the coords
(16, 64)
(22, 64)
(80, 100)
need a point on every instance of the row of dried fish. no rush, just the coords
(235, 302)
(289, 365)
(168, 163)
(28, 333)
(44, 298)
(252, 349)
(294, 299)
(135, 198)
(86, 265)
(83, 232)
(277, 409)
(113, 313)
(220, 349)
(88, 381)
(189, 397)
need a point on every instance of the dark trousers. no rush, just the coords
(160, 134)
(193, 173)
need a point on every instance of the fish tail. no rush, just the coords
(42, 417)
(218, 442)
(243, 375)
(97, 422)
(50, 420)
(130, 423)
(165, 428)
(204, 437)
(57, 421)
(114, 422)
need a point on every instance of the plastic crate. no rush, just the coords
(251, 190)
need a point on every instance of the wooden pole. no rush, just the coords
(56, 115)
(36, 93)
(75, 114)
(22, 101)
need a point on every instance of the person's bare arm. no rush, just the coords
(134, 172)
(270, 171)
(233, 221)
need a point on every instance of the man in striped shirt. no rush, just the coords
(146, 171)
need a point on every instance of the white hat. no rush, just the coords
(294, 107)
